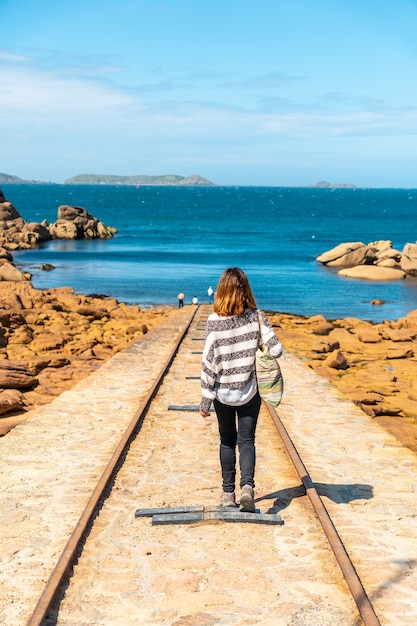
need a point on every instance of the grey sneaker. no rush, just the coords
(228, 499)
(247, 503)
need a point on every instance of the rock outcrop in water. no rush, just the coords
(377, 260)
(72, 223)
(77, 223)
(17, 234)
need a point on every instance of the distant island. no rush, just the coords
(110, 179)
(141, 179)
(325, 185)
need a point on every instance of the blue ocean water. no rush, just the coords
(173, 239)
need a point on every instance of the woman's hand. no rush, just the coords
(204, 413)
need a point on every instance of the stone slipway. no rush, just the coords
(367, 480)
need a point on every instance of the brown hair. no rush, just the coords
(233, 295)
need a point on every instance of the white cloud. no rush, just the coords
(41, 97)
(72, 103)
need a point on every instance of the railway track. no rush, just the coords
(119, 567)
(61, 602)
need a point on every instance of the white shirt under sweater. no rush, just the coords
(228, 362)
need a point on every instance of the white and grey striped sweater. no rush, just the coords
(228, 360)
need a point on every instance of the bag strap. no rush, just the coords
(260, 343)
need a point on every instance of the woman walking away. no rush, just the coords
(228, 379)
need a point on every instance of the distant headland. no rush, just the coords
(10, 178)
(110, 179)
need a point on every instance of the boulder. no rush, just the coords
(36, 364)
(34, 233)
(372, 272)
(71, 213)
(11, 400)
(410, 321)
(381, 408)
(105, 232)
(10, 273)
(15, 375)
(381, 247)
(8, 212)
(22, 334)
(345, 254)
(64, 230)
(369, 335)
(325, 346)
(92, 312)
(409, 259)
(398, 334)
(46, 341)
(387, 263)
(16, 296)
(337, 361)
(388, 253)
(361, 396)
(400, 353)
(322, 328)
(5, 254)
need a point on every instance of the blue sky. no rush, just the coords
(242, 92)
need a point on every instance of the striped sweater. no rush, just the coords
(228, 360)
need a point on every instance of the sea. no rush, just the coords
(180, 238)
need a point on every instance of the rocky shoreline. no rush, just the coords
(50, 339)
(374, 365)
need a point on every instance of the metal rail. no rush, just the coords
(67, 557)
(353, 581)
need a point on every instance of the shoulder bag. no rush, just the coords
(268, 373)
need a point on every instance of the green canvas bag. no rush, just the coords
(268, 374)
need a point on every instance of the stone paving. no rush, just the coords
(132, 572)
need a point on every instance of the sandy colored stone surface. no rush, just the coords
(207, 573)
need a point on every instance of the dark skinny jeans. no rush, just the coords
(243, 436)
